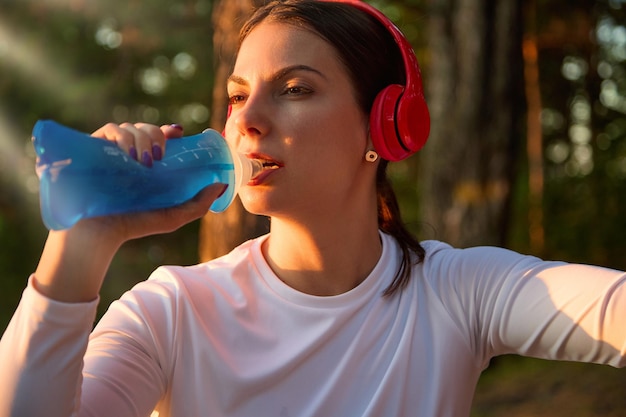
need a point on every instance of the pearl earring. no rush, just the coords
(371, 156)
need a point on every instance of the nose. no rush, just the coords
(251, 118)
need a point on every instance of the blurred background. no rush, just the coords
(527, 150)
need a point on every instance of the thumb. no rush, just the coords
(172, 131)
(210, 193)
(170, 219)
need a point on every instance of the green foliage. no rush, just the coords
(584, 122)
(518, 387)
(85, 64)
(88, 63)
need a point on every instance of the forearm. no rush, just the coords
(75, 261)
(568, 312)
(73, 264)
(41, 356)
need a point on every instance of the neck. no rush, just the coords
(329, 258)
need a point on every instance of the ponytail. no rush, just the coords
(390, 222)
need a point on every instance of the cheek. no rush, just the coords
(331, 154)
(346, 133)
(335, 123)
(229, 134)
(229, 127)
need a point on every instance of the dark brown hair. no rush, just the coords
(373, 61)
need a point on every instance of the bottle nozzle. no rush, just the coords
(256, 167)
(247, 169)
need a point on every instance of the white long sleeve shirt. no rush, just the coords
(228, 338)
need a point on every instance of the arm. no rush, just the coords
(509, 303)
(42, 349)
(566, 312)
(40, 355)
(74, 261)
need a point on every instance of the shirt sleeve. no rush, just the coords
(41, 356)
(127, 364)
(53, 364)
(510, 303)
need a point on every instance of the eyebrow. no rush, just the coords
(279, 74)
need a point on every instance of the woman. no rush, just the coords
(338, 311)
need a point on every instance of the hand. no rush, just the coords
(143, 142)
(117, 229)
(64, 272)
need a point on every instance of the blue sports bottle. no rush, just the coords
(81, 176)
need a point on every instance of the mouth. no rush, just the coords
(269, 165)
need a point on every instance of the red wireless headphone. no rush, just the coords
(399, 119)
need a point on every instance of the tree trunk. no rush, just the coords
(220, 233)
(474, 84)
(534, 133)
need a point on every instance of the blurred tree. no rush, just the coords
(220, 234)
(582, 47)
(534, 135)
(475, 94)
(84, 64)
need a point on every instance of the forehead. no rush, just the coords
(273, 45)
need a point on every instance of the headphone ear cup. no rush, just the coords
(412, 121)
(383, 124)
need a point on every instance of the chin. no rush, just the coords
(255, 203)
(266, 204)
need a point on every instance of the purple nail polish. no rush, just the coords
(157, 152)
(177, 126)
(133, 153)
(223, 191)
(146, 159)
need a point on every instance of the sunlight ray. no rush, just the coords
(30, 59)
(17, 161)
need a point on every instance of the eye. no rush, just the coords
(236, 99)
(296, 90)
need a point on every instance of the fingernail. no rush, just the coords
(223, 191)
(146, 159)
(157, 152)
(133, 153)
(177, 126)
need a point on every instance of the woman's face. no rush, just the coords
(293, 105)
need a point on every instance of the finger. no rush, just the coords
(200, 204)
(125, 227)
(210, 193)
(140, 145)
(157, 137)
(170, 219)
(172, 131)
(114, 133)
(123, 137)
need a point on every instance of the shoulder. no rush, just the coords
(442, 257)
(170, 285)
(475, 270)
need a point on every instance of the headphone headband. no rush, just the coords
(399, 119)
